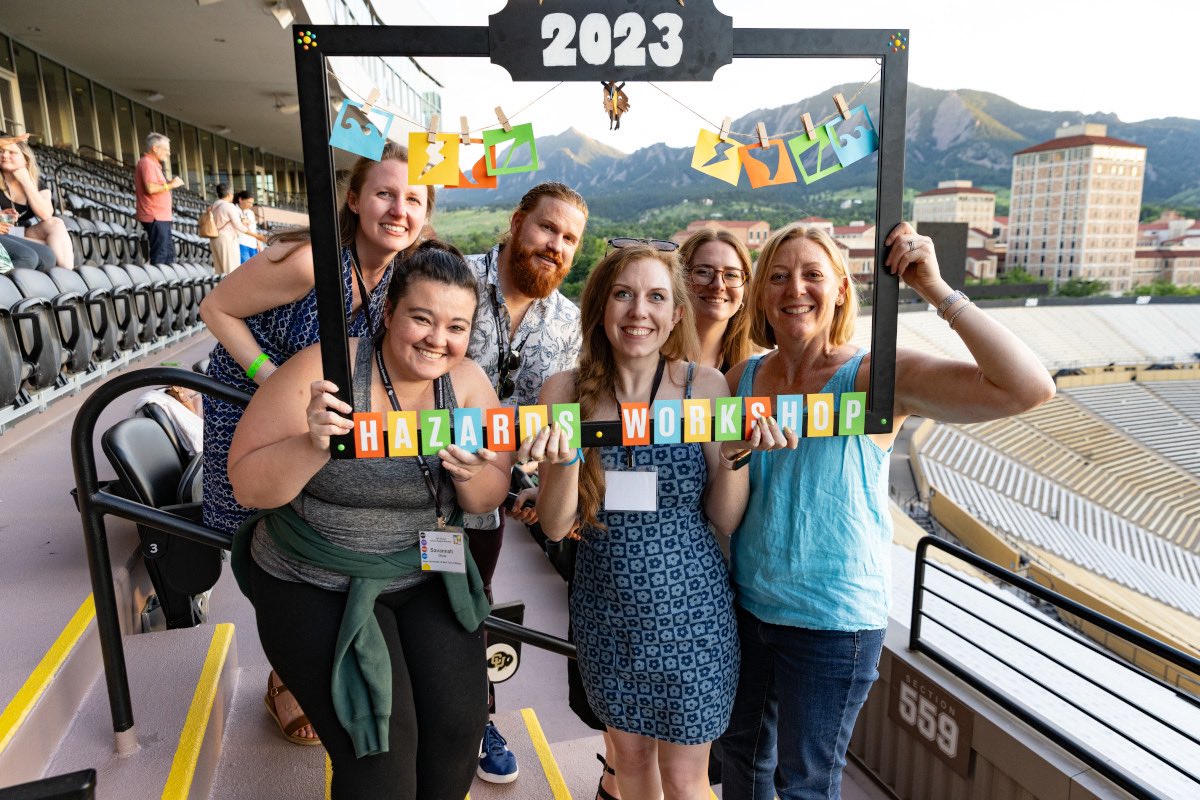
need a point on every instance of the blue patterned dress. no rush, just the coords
(281, 333)
(652, 608)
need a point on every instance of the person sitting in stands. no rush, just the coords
(811, 560)
(386, 659)
(264, 314)
(663, 681)
(29, 231)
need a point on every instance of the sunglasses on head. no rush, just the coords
(629, 241)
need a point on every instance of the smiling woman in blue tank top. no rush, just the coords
(811, 558)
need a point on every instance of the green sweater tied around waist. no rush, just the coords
(362, 669)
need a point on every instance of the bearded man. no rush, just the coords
(525, 331)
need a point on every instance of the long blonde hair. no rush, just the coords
(844, 316)
(736, 346)
(30, 164)
(597, 371)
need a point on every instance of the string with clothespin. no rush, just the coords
(371, 101)
(727, 134)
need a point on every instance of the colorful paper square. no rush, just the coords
(570, 420)
(433, 163)
(820, 415)
(769, 166)
(814, 157)
(668, 422)
(727, 412)
(790, 412)
(435, 430)
(521, 155)
(756, 407)
(635, 423)
(468, 428)
(359, 133)
(853, 139)
(716, 158)
(478, 177)
(533, 419)
(501, 426)
(697, 416)
(852, 416)
(368, 434)
(402, 433)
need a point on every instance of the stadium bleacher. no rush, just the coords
(1139, 411)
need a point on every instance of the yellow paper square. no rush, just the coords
(402, 433)
(820, 415)
(433, 164)
(697, 420)
(719, 159)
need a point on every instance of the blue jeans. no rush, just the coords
(162, 247)
(798, 696)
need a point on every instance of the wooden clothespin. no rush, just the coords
(761, 130)
(369, 103)
(435, 122)
(840, 102)
(723, 135)
(465, 136)
(503, 120)
(806, 120)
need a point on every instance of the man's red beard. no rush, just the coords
(529, 276)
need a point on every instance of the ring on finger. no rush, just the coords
(912, 244)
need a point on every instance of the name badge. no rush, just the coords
(443, 551)
(630, 491)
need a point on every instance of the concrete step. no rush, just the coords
(182, 683)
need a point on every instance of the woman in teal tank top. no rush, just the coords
(811, 559)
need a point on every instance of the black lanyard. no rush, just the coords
(439, 401)
(658, 375)
(364, 297)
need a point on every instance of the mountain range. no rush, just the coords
(960, 133)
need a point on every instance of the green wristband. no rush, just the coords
(253, 369)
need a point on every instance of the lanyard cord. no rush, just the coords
(658, 376)
(363, 296)
(439, 401)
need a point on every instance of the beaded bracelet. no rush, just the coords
(950, 300)
(956, 313)
(254, 367)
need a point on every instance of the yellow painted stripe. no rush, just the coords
(558, 787)
(191, 739)
(27, 697)
(328, 778)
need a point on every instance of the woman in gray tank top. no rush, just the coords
(347, 529)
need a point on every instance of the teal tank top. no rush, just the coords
(814, 547)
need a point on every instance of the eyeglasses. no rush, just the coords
(657, 244)
(508, 363)
(703, 276)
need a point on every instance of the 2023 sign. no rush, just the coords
(611, 40)
(596, 37)
(936, 719)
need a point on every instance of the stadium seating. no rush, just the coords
(70, 318)
(38, 338)
(96, 310)
(1141, 413)
(117, 303)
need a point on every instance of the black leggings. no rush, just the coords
(439, 686)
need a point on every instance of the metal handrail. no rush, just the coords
(1123, 778)
(95, 503)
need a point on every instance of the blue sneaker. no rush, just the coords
(497, 764)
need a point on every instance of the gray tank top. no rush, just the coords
(370, 505)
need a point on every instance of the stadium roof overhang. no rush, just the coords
(220, 64)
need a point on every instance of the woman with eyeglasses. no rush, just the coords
(718, 266)
(812, 557)
(265, 312)
(651, 604)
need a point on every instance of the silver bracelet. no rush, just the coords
(956, 313)
(948, 301)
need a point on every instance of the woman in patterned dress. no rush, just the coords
(266, 312)
(651, 602)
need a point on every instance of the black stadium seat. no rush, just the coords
(118, 302)
(76, 234)
(155, 299)
(101, 318)
(15, 369)
(37, 335)
(144, 319)
(168, 288)
(70, 317)
(149, 471)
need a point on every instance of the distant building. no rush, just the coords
(752, 234)
(856, 235)
(817, 222)
(1075, 206)
(1172, 265)
(1170, 231)
(956, 201)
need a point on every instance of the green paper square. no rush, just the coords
(852, 415)
(568, 414)
(519, 135)
(726, 409)
(435, 430)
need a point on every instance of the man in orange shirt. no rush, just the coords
(153, 192)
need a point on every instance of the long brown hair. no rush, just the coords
(347, 219)
(30, 164)
(597, 371)
(736, 346)
(844, 316)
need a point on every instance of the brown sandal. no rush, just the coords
(289, 731)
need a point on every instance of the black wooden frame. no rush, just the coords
(473, 41)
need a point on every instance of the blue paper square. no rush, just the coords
(668, 421)
(468, 428)
(859, 139)
(358, 133)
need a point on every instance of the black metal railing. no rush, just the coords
(95, 503)
(1102, 763)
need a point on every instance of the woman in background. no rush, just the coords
(29, 224)
(718, 267)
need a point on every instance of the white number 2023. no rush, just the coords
(938, 727)
(596, 40)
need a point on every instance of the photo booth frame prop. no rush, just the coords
(534, 42)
